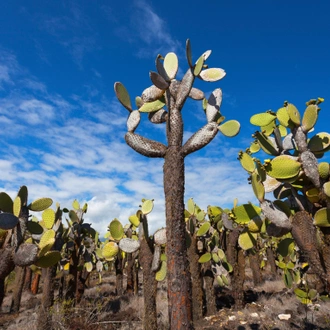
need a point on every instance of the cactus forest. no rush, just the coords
(202, 259)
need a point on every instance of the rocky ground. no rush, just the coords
(268, 306)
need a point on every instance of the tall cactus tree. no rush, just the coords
(168, 92)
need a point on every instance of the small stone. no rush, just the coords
(284, 316)
(242, 322)
(254, 315)
(232, 318)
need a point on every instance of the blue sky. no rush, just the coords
(63, 129)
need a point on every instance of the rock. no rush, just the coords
(284, 317)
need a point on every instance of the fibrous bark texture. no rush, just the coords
(18, 289)
(209, 289)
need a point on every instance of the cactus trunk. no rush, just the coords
(179, 281)
(28, 279)
(17, 294)
(209, 289)
(119, 275)
(255, 267)
(35, 284)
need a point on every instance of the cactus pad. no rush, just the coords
(89, 266)
(319, 142)
(40, 204)
(50, 259)
(23, 194)
(293, 114)
(160, 236)
(26, 255)
(283, 167)
(199, 66)
(266, 143)
(116, 229)
(152, 106)
(326, 188)
(123, 96)
(246, 161)
(147, 206)
(110, 250)
(161, 274)
(230, 128)
(245, 212)
(158, 80)
(171, 65)
(46, 242)
(204, 228)
(205, 258)
(262, 119)
(134, 220)
(6, 203)
(8, 221)
(129, 245)
(247, 240)
(213, 74)
(34, 228)
(324, 170)
(310, 117)
(17, 206)
(213, 105)
(48, 217)
(257, 186)
(133, 120)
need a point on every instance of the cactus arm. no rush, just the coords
(144, 146)
(201, 138)
(184, 89)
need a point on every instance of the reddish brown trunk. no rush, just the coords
(149, 287)
(27, 280)
(35, 283)
(178, 274)
(196, 279)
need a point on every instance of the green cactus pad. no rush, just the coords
(215, 257)
(48, 217)
(6, 203)
(285, 247)
(76, 205)
(110, 250)
(205, 258)
(89, 266)
(247, 240)
(254, 147)
(50, 259)
(129, 245)
(319, 142)
(293, 114)
(147, 206)
(268, 129)
(326, 188)
(23, 194)
(322, 217)
(116, 229)
(191, 206)
(123, 96)
(267, 144)
(204, 228)
(283, 167)
(73, 216)
(283, 117)
(221, 254)
(283, 130)
(230, 128)
(46, 242)
(161, 274)
(324, 170)
(213, 74)
(199, 66)
(262, 119)
(34, 228)
(171, 65)
(310, 117)
(134, 220)
(160, 236)
(313, 195)
(245, 212)
(40, 204)
(246, 161)
(138, 102)
(8, 221)
(3, 233)
(17, 206)
(257, 186)
(158, 80)
(152, 106)
(220, 281)
(254, 225)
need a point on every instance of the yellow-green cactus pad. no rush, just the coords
(245, 212)
(17, 206)
(134, 220)
(147, 206)
(293, 114)
(215, 257)
(204, 228)
(46, 242)
(40, 204)
(160, 236)
(283, 130)
(267, 144)
(268, 129)
(76, 205)
(50, 259)
(205, 258)
(123, 96)
(310, 117)
(220, 281)
(257, 186)
(286, 247)
(34, 228)
(161, 274)
(213, 74)
(199, 66)
(221, 254)
(116, 229)
(152, 106)
(6, 203)
(23, 194)
(326, 188)
(283, 167)
(190, 206)
(8, 221)
(283, 117)
(322, 217)
(110, 250)
(171, 65)
(129, 245)
(247, 240)
(313, 195)
(319, 142)
(89, 266)
(254, 147)
(230, 128)
(48, 217)
(324, 170)
(246, 161)
(255, 225)
(262, 119)
(3, 233)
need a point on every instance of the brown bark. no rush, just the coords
(28, 279)
(136, 280)
(209, 289)
(179, 281)
(129, 268)
(119, 275)
(82, 277)
(35, 283)
(196, 279)
(255, 267)
(18, 289)
(271, 262)
(2, 291)
(326, 251)
(149, 286)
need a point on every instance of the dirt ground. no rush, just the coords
(268, 306)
